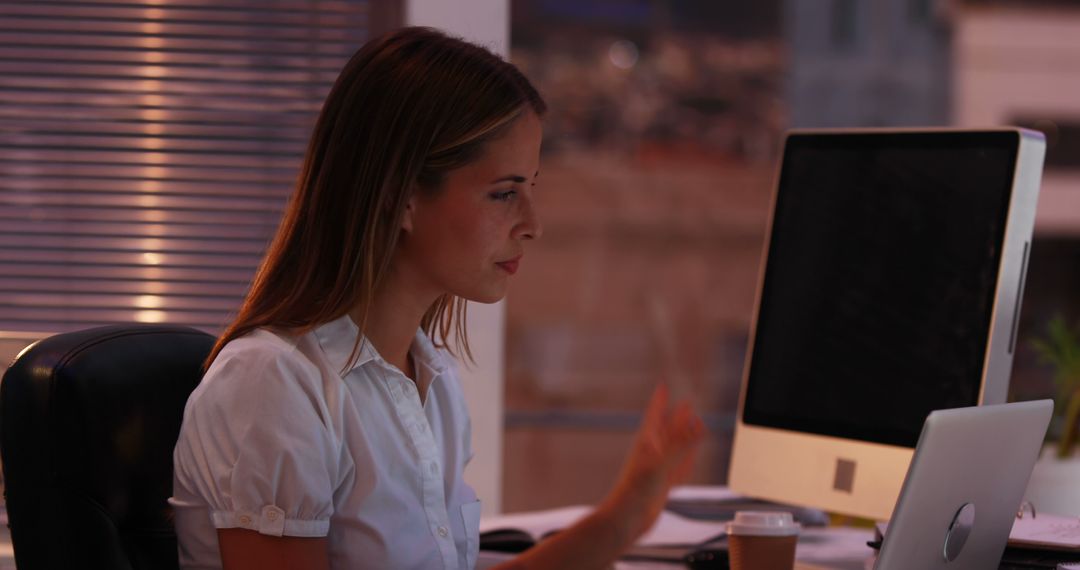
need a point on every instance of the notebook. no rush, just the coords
(964, 487)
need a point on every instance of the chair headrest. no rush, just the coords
(97, 413)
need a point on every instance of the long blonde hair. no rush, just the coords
(407, 108)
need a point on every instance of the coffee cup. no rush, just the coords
(762, 540)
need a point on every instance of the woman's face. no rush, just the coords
(468, 237)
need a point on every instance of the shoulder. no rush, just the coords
(261, 367)
(263, 354)
(260, 347)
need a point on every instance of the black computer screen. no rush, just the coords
(879, 281)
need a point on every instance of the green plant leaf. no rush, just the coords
(1060, 349)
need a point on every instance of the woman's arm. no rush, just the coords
(662, 456)
(243, 549)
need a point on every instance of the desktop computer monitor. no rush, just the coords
(890, 287)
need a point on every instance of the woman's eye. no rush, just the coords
(503, 196)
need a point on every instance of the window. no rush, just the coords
(147, 150)
(920, 12)
(842, 25)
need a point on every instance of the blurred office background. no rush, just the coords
(147, 148)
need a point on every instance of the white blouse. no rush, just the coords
(279, 440)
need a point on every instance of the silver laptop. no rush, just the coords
(964, 486)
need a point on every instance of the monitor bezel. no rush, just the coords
(845, 140)
(802, 468)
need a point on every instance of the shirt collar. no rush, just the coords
(425, 354)
(338, 337)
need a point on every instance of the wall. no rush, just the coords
(1013, 64)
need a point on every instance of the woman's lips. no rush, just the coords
(510, 266)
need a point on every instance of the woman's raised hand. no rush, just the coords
(662, 456)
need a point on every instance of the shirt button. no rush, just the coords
(443, 532)
(244, 519)
(273, 521)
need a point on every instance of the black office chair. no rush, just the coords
(88, 422)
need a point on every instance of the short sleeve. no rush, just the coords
(257, 447)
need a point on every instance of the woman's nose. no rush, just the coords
(530, 226)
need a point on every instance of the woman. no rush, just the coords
(330, 430)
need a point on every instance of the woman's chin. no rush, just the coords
(487, 297)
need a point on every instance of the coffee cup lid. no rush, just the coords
(763, 523)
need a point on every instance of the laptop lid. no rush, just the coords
(964, 486)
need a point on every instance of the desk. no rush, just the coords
(819, 548)
(834, 548)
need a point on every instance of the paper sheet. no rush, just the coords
(1053, 532)
(670, 528)
(703, 493)
(1046, 530)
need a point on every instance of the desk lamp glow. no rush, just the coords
(890, 287)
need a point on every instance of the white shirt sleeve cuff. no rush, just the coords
(272, 522)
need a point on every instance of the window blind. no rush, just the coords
(147, 149)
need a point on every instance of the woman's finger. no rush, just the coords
(680, 435)
(688, 423)
(654, 424)
(658, 402)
